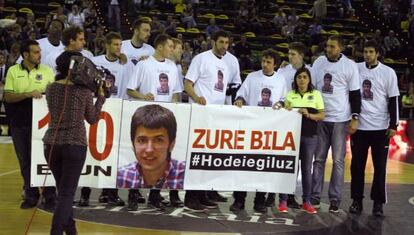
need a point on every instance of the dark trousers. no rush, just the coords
(66, 164)
(194, 195)
(22, 141)
(240, 196)
(360, 142)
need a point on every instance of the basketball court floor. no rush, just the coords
(100, 219)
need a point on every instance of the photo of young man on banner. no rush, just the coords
(154, 142)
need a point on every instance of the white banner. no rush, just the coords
(103, 144)
(217, 147)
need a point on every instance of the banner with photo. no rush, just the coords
(181, 146)
(100, 166)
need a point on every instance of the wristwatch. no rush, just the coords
(355, 116)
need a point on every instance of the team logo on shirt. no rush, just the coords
(265, 98)
(163, 89)
(39, 77)
(219, 86)
(366, 90)
(327, 87)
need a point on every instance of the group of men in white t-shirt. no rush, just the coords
(337, 77)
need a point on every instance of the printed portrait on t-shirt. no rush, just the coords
(219, 86)
(366, 90)
(327, 87)
(110, 79)
(265, 98)
(163, 89)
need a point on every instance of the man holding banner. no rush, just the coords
(250, 93)
(145, 84)
(205, 70)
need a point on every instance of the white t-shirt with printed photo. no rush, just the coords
(259, 89)
(135, 53)
(289, 73)
(377, 85)
(334, 80)
(157, 78)
(51, 58)
(210, 76)
(122, 73)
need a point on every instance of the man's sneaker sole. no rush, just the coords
(334, 210)
(195, 210)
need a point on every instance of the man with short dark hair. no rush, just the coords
(377, 124)
(342, 100)
(206, 70)
(264, 87)
(24, 82)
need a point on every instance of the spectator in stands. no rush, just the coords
(300, 30)
(358, 47)
(288, 30)
(315, 32)
(88, 10)
(170, 26)
(75, 17)
(212, 27)
(243, 52)
(114, 14)
(187, 53)
(391, 44)
(22, 85)
(319, 9)
(240, 25)
(378, 37)
(13, 54)
(279, 20)
(243, 11)
(293, 17)
(188, 17)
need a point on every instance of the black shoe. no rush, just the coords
(292, 203)
(237, 206)
(194, 206)
(215, 196)
(356, 207)
(49, 202)
(103, 198)
(175, 199)
(316, 203)
(156, 204)
(333, 207)
(115, 200)
(83, 202)
(133, 200)
(28, 203)
(377, 209)
(260, 208)
(208, 204)
(137, 195)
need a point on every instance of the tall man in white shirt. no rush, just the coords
(137, 46)
(200, 82)
(264, 87)
(342, 103)
(378, 122)
(155, 79)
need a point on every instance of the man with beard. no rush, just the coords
(26, 81)
(137, 46)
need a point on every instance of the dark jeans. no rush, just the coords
(360, 142)
(306, 152)
(66, 164)
(240, 196)
(22, 141)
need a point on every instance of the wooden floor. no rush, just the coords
(14, 220)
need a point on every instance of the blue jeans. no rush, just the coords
(330, 134)
(306, 152)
